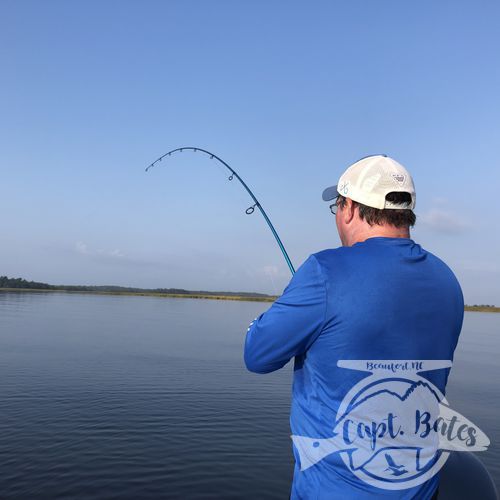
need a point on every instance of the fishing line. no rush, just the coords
(233, 175)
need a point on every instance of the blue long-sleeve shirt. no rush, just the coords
(384, 298)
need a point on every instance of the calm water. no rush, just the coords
(139, 397)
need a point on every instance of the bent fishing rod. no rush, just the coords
(250, 209)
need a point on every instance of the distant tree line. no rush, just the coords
(481, 305)
(6, 282)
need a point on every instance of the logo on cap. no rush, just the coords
(343, 188)
(400, 178)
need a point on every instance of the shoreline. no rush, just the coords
(144, 294)
(482, 309)
(192, 296)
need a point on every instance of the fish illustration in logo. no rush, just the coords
(392, 427)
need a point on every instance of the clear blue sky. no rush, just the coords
(289, 93)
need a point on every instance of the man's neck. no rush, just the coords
(365, 232)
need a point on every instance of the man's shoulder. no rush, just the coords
(440, 265)
(328, 256)
(433, 258)
(329, 260)
(331, 253)
(346, 257)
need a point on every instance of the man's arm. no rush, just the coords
(291, 324)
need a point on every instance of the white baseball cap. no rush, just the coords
(370, 179)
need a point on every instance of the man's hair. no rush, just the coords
(398, 217)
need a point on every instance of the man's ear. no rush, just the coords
(349, 211)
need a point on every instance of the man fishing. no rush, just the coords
(380, 296)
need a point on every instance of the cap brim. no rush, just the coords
(330, 193)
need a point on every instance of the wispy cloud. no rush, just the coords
(113, 256)
(479, 266)
(83, 249)
(271, 271)
(443, 220)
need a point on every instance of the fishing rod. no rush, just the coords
(250, 209)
